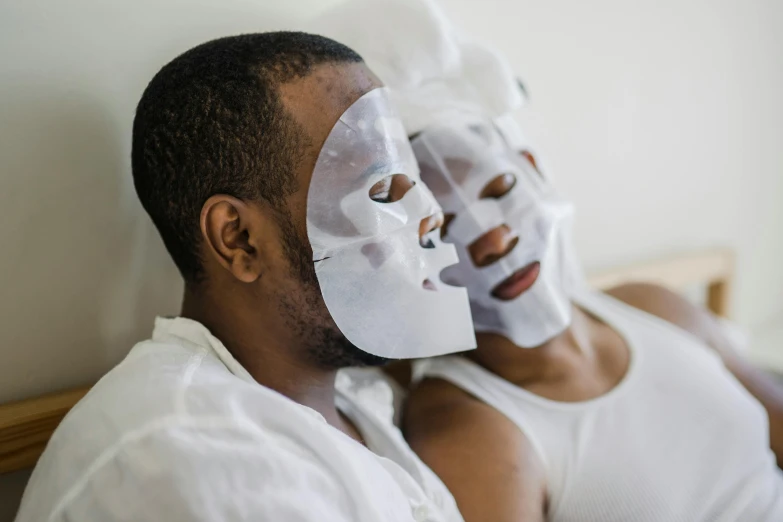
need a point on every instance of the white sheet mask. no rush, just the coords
(368, 258)
(457, 161)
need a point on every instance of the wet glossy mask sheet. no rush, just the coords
(370, 264)
(458, 160)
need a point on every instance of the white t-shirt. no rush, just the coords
(179, 431)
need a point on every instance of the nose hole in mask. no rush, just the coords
(447, 219)
(391, 188)
(498, 186)
(428, 228)
(478, 249)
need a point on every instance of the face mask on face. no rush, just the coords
(375, 276)
(459, 161)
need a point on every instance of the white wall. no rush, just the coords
(662, 120)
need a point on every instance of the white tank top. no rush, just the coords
(678, 439)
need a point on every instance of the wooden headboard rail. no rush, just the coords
(712, 268)
(26, 426)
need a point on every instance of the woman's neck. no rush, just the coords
(570, 367)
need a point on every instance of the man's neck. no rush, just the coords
(271, 356)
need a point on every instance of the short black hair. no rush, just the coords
(212, 122)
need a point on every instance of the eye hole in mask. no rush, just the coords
(391, 188)
(498, 187)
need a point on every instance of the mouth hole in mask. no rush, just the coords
(484, 251)
(428, 229)
(391, 188)
(498, 186)
(517, 283)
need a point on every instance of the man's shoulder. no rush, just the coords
(144, 390)
(168, 384)
(171, 420)
(148, 384)
(186, 467)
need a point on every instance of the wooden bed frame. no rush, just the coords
(26, 426)
(712, 269)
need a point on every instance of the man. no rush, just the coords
(287, 194)
(576, 406)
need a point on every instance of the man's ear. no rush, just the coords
(230, 234)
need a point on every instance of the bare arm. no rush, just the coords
(677, 310)
(482, 457)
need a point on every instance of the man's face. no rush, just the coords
(316, 103)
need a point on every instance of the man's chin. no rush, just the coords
(368, 359)
(335, 351)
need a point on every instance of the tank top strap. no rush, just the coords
(620, 315)
(650, 336)
(484, 386)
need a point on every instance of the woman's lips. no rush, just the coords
(517, 283)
